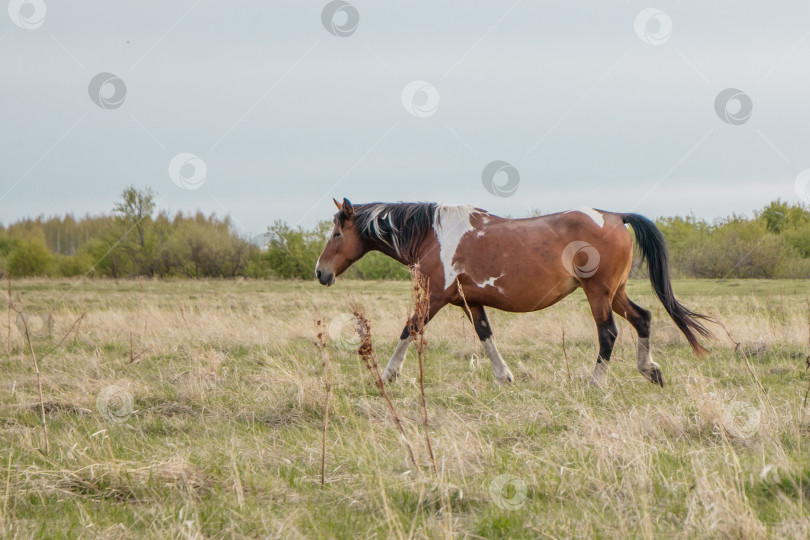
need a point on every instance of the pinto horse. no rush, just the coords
(474, 259)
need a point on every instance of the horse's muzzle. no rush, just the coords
(325, 278)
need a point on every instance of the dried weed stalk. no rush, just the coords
(807, 362)
(322, 339)
(420, 285)
(8, 337)
(27, 336)
(737, 347)
(367, 356)
(565, 355)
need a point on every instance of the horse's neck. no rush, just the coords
(389, 251)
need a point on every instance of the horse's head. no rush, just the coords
(345, 246)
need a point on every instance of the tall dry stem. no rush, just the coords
(467, 311)
(367, 356)
(807, 360)
(565, 355)
(322, 339)
(737, 347)
(420, 285)
(27, 336)
(8, 337)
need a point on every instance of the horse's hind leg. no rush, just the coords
(600, 300)
(639, 318)
(484, 331)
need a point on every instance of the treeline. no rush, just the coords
(135, 240)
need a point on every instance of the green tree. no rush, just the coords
(292, 253)
(134, 214)
(30, 257)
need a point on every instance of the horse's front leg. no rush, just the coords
(398, 358)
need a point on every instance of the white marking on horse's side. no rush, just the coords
(450, 224)
(490, 282)
(597, 218)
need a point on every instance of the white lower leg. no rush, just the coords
(645, 363)
(397, 359)
(599, 373)
(644, 357)
(502, 373)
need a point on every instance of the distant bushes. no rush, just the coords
(293, 253)
(136, 241)
(29, 257)
(774, 244)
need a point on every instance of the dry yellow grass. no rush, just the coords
(209, 423)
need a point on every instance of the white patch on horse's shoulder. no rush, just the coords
(450, 224)
(597, 217)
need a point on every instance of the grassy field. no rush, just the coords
(194, 409)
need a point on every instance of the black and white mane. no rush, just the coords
(400, 226)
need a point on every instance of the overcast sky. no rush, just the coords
(607, 104)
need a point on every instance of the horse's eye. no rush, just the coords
(337, 235)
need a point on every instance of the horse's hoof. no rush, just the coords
(656, 377)
(505, 379)
(390, 376)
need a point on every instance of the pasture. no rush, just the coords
(195, 409)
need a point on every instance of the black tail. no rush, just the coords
(654, 249)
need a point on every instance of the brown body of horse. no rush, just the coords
(474, 260)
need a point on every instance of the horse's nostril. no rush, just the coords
(318, 273)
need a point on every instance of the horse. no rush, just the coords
(474, 259)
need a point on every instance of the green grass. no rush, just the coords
(224, 439)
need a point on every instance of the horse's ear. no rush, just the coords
(347, 208)
(340, 208)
